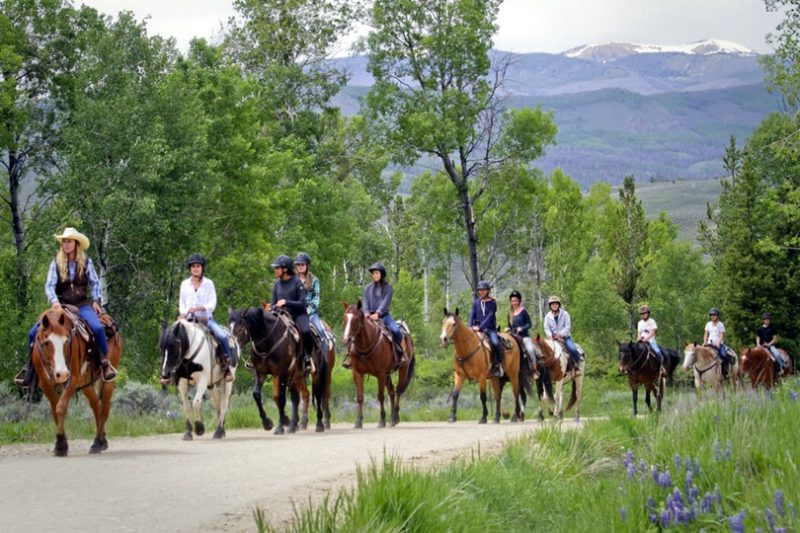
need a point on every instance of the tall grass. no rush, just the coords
(725, 465)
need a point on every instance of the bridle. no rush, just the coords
(350, 342)
(464, 359)
(254, 343)
(646, 355)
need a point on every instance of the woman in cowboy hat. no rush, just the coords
(558, 326)
(483, 317)
(72, 280)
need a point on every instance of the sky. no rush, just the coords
(524, 25)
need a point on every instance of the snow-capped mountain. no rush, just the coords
(612, 51)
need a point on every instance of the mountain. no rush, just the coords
(657, 112)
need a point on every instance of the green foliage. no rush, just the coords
(783, 66)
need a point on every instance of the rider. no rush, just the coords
(72, 280)
(558, 326)
(646, 330)
(482, 318)
(198, 300)
(302, 264)
(519, 323)
(766, 338)
(377, 299)
(289, 294)
(714, 335)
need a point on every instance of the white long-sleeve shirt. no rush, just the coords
(561, 325)
(204, 296)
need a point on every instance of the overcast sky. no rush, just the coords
(525, 25)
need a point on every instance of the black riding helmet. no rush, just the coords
(484, 285)
(302, 259)
(515, 294)
(283, 261)
(196, 259)
(380, 268)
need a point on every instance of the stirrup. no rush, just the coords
(347, 363)
(108, 371)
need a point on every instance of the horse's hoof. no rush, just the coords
(187, 435)
(266, 424)
(395, 421)
(104, 444)
(62, 447)
(320, 427)
(199, 428)
(60, 453)
(382, 423)
(219, 433)
(482, 420)
(514, 419)
(292, 428)
(279, 430)
(540, 416)
(496, 421)
(327, 424)
(304, 423)
(452, 419)
(96, 447)
(358, 425)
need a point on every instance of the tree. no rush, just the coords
(435, 94)
(783, 67)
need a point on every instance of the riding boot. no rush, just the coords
(224, 364)
(109, 372)
(497, 364)
(308, 364)
(724, 368)
(401, 353)
(346, 362)
(24, 378)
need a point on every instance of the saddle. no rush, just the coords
(387, 334)
(82, 328)
(505, 343)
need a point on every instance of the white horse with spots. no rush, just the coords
(188, 358)
(555, 358)
(707, 367)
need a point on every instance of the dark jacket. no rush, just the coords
(484, 317)
(294, 292)
(378, 298)
(522, 320)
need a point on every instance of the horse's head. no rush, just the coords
(689, 355)
(449, 327)
(238, 322)
(625, 356)
(174, 342)
(352, 321)
(51, 338)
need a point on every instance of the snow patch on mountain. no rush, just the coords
(610, 51)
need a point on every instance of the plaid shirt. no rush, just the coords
(52, 279)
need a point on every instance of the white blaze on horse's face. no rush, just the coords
(445, 336)
(348, 322)
(164, 364)
(61, 372)
(688, 357)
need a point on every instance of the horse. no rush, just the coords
(707, 367)
(555, 359)
(640, 363)
(674, 359)
(759, 365)
(62, 361)
(305, 396)
(372, 353)
(471, 360)
(275, 346)
(188, 358)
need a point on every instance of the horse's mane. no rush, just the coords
(256, 320)
(173, 332)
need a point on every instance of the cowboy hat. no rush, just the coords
(75, 235)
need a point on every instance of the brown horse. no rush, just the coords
(640, 363)
(759, 365)
(62, 361)
(471, 360)
(275, 350)
(555, 359)
(372, 353)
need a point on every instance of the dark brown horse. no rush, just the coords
(641, 364)
(759, 365)
(372, 353)
(305, 396)
(274, 352)
(471, 362)
(62, 361)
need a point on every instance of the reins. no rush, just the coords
(351, 345)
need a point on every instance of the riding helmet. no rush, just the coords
(302, 259)
(484, 285)
(644, 309)
(554, 300)
(283, 261)
(380, 268)
(196, 259)
(515, 294)
(766, 316)
(713, 311)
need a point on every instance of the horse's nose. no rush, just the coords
(623, 369)
(443, 341)
(62, 376)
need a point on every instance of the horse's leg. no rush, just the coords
(485, 410)
(660, 392)
(106, 393)
(183, 391)
(458, 381)
(558, 399)
(279, 397)
(381, 387)
(258, 384)
(648, 387)
(517, 417)
(578, 384)
(305, 397)
(394, 398)
(497, 386)
(94, 403)
(295, 395)
(224, 390)
(540, 391)
(197, 404)
(49, 390)
(329, 379)
(358, 379)
(634, 393)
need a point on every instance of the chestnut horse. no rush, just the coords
(372, 353)
(640, 363)
(759, 365)
(275, 350)
(707, 367)
(556, 359)
(62, 361)
(471, 360)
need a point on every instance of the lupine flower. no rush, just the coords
(696, 467)
(628, 458)
(677, 498)
(705, 504)
(651, 504)
(631, 470)
(717, 451)
(665, 518)
(677, 462)
(770, 518)
(643, 466)
(665, 479)
(728, 450)
(623, 513)
(736, 522)
(653, 518)
(780, 530)
(779, 502)
(687, 484)
(694, 492)
(793, 395)
(688, 463)
(654, 473)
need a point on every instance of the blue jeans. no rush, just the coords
(723, 353)
(777, 356)
(221, 336)
(656, 349)
(494, 340)
(573, 350)
(92, 320)
(316, 321)
(394, 327)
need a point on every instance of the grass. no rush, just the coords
(725, 465)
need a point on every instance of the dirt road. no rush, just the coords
(162, 483)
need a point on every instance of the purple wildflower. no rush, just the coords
(779, 506)
(651, 504)
(694, 492)
(642, 466)
(696, 467)
(654, 473)
(717, 451)
(687, 462)
(631, 470)
(780, 530)
(653, 518)
(793, 395)
(628, 458)
(736, 522)
(665, 479)
(770, 518)
(623, 513)
(665, 518)
(677, 462)
(677, 498)
(728, 450)
(705, 504)
(687, 484)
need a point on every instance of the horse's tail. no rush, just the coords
(401, 388)
(574, 396)
(525, 375)
(675, 361)
(319, 385)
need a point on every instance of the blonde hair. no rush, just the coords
(309, 281)
(61, 262)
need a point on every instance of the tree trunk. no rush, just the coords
(462, 185)
(15, 169)
(426, 304)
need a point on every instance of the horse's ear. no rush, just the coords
(359, 304)
(62, 319)
(177, 329)
(694, 344)
(345, 304)
(45, 322)
(445, 312)
(457, 311)
(264, 304)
